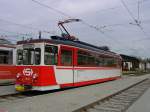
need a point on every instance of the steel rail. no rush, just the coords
(119, 101)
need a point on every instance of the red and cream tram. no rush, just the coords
(48, 64)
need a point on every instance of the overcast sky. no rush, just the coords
(109, 15)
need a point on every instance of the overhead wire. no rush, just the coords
(15, 34)
(58, 11)
(138, 16)
(99, 29)
(66, 15)
(137, 21)
(26, 26)
(86, 23)
(129, 12)
(25, 34)
(82, 21)
(6, 37)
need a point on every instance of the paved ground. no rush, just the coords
(142, 105)
(68, 100)
(7, 90)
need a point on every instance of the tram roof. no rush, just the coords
(60, 40)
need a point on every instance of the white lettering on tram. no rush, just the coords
(28, 72)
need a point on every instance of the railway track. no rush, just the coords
(11, 97)
(22, 95)
(118, 102)
(15, 96)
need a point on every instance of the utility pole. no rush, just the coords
(40, 34)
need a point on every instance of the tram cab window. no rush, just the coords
(19, 56)
(66, 57)
(37, 56)
(28, 56)
(50, 56)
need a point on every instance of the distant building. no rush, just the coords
(148, 65)
(130, 63)
(145, 65)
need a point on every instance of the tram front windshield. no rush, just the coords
(32, 56)
(29, 56)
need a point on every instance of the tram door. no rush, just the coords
(67, 60)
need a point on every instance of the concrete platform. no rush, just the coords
(69, 100)
(4, 90)
(141, 105)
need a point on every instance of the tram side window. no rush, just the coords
(50, 57)
(95, 60)
(91, 60)
(110, 62)
(19, 56)
(66, 57)
(99, 61)
(86, 59)
(82, 58)
(6, 57)
(37, 56)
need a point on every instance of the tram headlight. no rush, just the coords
(34, 76)
(18, 75)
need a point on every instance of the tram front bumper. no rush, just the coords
(23, 87)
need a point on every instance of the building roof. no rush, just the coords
(5, 41)
(129, 58)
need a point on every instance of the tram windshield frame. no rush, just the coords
(29, 56)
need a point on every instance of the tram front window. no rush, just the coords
(29, 56)
(19, 57)
(37, 56)
(50, 56)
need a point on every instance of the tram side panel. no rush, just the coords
(90, 75)
(64, 71)
(89, 72)
(7, 74)
(64, 76)
(77, 76)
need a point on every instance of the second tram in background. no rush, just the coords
(7, 62)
